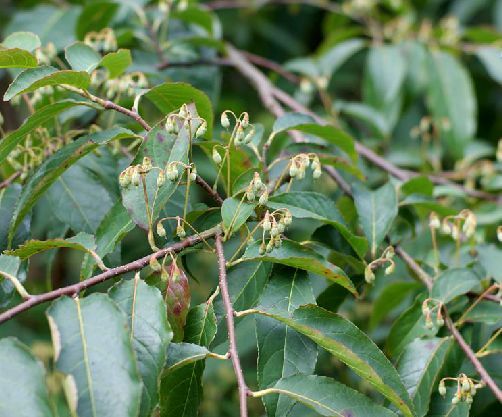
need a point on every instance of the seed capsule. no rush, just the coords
(201, 130)
(216, 156)
(225, 121)
(160, 229)
(369, 276)
(135, 176)
(155, 264)
(180, 232)
(161, 179)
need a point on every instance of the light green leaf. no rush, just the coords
(377, 210)
(491, 57)
(235, 213)
(297, 256)
(16, 58)
(37, 119)
(311, 205)
(419, 367)
(151, 334)
(181, 354)
(283, 352)
(106, 384)
(82, 57)
(55, 165)
(22, 40)
(452, 283)
(116, 62)
(168, 97)
(28, 396)
(489, 256)
(327, 397)
(451, 96)
(289, 120)
(32, 79)
(367, 114)
(181, 387)
(335, 57)
(345, 341)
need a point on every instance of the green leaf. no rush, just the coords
(22, 40)
(28, 396)
(335, 57)
(377, 210)
(168, 97)
(104, 384)
(442, 406)
(16, 58)
(32, 79)
(486, 312)
(311, 205)
(283, 352)
(289, 120)
(451, 96)
(37, 119)
(198, 16)
(181, 387)
(297, 256)
(452, 283)
(116, 62)
(150, 331)
(162, 148)
(95, 16)
(488, 258)
(367, 114)
(419, 367)
(327, 397)
(9, 265)
(345, 341)
(181, 354)
(490, 57)
(9, 198)
(235, 213)
(82, 57)
(54, 166)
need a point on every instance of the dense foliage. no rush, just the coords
(287, 208)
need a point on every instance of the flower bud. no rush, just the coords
(428, 323)
(225, 121)
(277, 242)
(455, 400)
(434, 222)
(440, 322)
(161, 179)
(170, 125)
(250, 195)
(445, 228)
(155, 264)
(470, 223)
(369, 276)
(135, 176)
(160, 229)
(390, 269)
(216, 156)
(293, 170)
(270, 246)
(466, 386)
(245, 120)
(274, 231)
(262, 249)
(183, 113)
(147, 164)
(442, 389)
(469, 399)
(317, 173)
(455, 233)
(124, 178)
(239, 134)
(257, 183)
(193, 173)
(263, 199)
(288, 218)
(201, 130)
(177, 300)
(180, 232)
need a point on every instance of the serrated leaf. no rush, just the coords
(181, 388)
(32, 79)
(16, 58)
(327, 397)
(168, 97)
(297, 256)
(181, 354)
(452, 283)
(419, 367)
(451, 96)
(37, 119)
(377, 210)
(345, 341)
(283, 352)
(491, 57)
(106, 384)
(28, 396)
(116, 62)
(22, 40)
(82, 57)
(234, 213)
(150, 332)
(54, 166)
(307, 204)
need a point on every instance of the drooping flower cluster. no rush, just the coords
(429, 306)
(257, 188)
(243, 131)
(185, 117)
(451, 224)
(274, 224)
(466, 388)
(386, 258)
(299, 163)
(104, 40)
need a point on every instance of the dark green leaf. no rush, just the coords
(235, 212)
(335, 57)
(452, 283)
(95, 16)
(9, 197)
(181, 354)
(9, 265)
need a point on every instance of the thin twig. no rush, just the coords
(75, 289)
(229, 310)
(208, 189)
(5, 183)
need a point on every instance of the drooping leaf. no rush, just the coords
(54, 166)
(32, 79)
(37, 119)
(327, 397)
(28, 396)
(377, 210)
(181, 354)
(104, 384)
(150, 331)
(82, 57)
(116, 62)
(16, 58)
(345, 341)
(312, 205)
(168, 97)
(452, 283)
(234, 213)
(283, 352)
(22, 40)
(419, 367)
(451, 96)
(297, 256)
(181, 387)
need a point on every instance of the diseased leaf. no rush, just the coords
(345, 341)
(452, 283)
(150, 331)
(419, 367)
(235, 213)
(82, 57)
(32, 79)
(283, 352)
(297, 256)
(28, 396)
(377, 210)
(106, 384)
(327, 397)
(312, 205)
